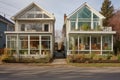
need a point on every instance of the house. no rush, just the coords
(34, 33)
(5, 25)
(83, 32)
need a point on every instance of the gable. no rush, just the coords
(82, 13)
(85, 11)
(33, 11)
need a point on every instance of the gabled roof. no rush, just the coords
(5, 20)
(27, 8)
(90, 8)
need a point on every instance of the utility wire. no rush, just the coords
(8, 4)
(6, 9)
(6, 14)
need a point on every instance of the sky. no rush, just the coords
(58, 7)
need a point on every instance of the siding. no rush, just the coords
(3, 27)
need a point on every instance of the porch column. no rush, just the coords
(112, 43)
(78, 45)
(17, 46)
(40, 45)
(28, 44)
(101, 44)
(6, 42)
(51, 44)
(90, 44)
(68, 37)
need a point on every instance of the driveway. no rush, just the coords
(56, 72)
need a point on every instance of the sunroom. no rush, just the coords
(32, 45)
(90, 43)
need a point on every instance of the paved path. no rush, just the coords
(59, 54)
(59, 61)
(58, 72)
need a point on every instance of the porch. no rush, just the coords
(90, 42)
(28, 45)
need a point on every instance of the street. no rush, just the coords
(57, 72)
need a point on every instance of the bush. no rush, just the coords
(6, 56)
(92, 58)
(118, 56)
(11, 59)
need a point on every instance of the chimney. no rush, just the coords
(65, 16)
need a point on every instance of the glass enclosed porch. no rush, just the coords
(29, 45)
(90, 43)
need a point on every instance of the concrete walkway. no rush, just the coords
(59, 54)
(59, 61)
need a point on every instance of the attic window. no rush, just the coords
(45, 16)
(38, 15)
(30, 16)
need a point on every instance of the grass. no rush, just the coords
(95, 64)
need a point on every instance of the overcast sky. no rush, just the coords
(58, 7)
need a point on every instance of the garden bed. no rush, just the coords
(81, 58)
(7, 58)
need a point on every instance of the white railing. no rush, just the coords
(107, 28)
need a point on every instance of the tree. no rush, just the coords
(115, 23)
(107, 10)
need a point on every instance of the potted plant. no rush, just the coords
(85, 27)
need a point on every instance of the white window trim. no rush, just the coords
(48, 27)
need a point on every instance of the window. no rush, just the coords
(46, 27)
(38, 15)
(30, 16)
(11, 42)
(107, 42)
(23, 42)
(45, 16)
(73, 25)
(38, 27)
(96, 42)
(45, 45)
(22, 27)
(34, 45)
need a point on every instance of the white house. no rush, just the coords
(34, 32)
(83, 32)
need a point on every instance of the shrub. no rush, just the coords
(118, 56)
(114, 58)
(11, 59)
(92, 55)
(93, 58)
(7, 57)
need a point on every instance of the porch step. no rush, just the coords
(59, 61)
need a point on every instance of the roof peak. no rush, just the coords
(90, 8)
